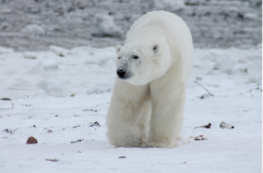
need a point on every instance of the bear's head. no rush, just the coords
(141, 62)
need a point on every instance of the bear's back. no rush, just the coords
(156, 25)
(162, 22)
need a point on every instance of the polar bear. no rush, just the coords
(147, 104)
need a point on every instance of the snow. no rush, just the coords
(33, 30)
(4, 50)
(59, 50)
(169, 4)
(105, 26)
(65, 94)
(68, 23)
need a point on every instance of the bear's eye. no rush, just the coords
(119, 57)
(135, 57)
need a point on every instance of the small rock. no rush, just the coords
(79, 140)
(198, 138)
(76, 126)
(6, 99)
(90, 110)
(204, 96)
(205, 126)
(52, 160)
(122, 157)
(96, 123)
(225, 125)
(198, 78)
(31, 140)
(9, 131)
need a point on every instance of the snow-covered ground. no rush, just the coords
(57, 95)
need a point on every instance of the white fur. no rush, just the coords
(146, 109)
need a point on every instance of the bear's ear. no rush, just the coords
(155, 48)
(118, 48)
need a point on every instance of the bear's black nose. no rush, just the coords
(121, 73)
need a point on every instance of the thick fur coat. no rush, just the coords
(153, 66)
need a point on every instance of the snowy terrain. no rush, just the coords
(36, 24)
(58, 94)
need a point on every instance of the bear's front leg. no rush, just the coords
(167, 113)
(128, 115)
